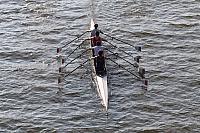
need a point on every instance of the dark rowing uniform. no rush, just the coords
(100, 66)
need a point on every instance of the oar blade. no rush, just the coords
(59, 50)
(59, 80)
(138, 48)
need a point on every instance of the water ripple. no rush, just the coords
(32, 101)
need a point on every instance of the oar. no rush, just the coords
(60, 69)
(59, 79)
(75, 49)
(138, 48)
(59, 49)
(141, 72)
(118, 48)
(122, 58)
(137, 58)
(78, 67)
(125, 69)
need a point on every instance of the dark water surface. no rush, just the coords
(32, 101)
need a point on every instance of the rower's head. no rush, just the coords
(98, 43)
(96, 26)
(100, 53)
(97, 33)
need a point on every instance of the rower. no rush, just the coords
(93, 32)
(94, 41)
(97, 48)
(97, 38)
(100, 64)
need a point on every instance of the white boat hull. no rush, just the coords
(100, 81)
(102, 90)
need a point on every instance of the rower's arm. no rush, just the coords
(101, 31)
(91, 48)
(89, 38)
(89, 31)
